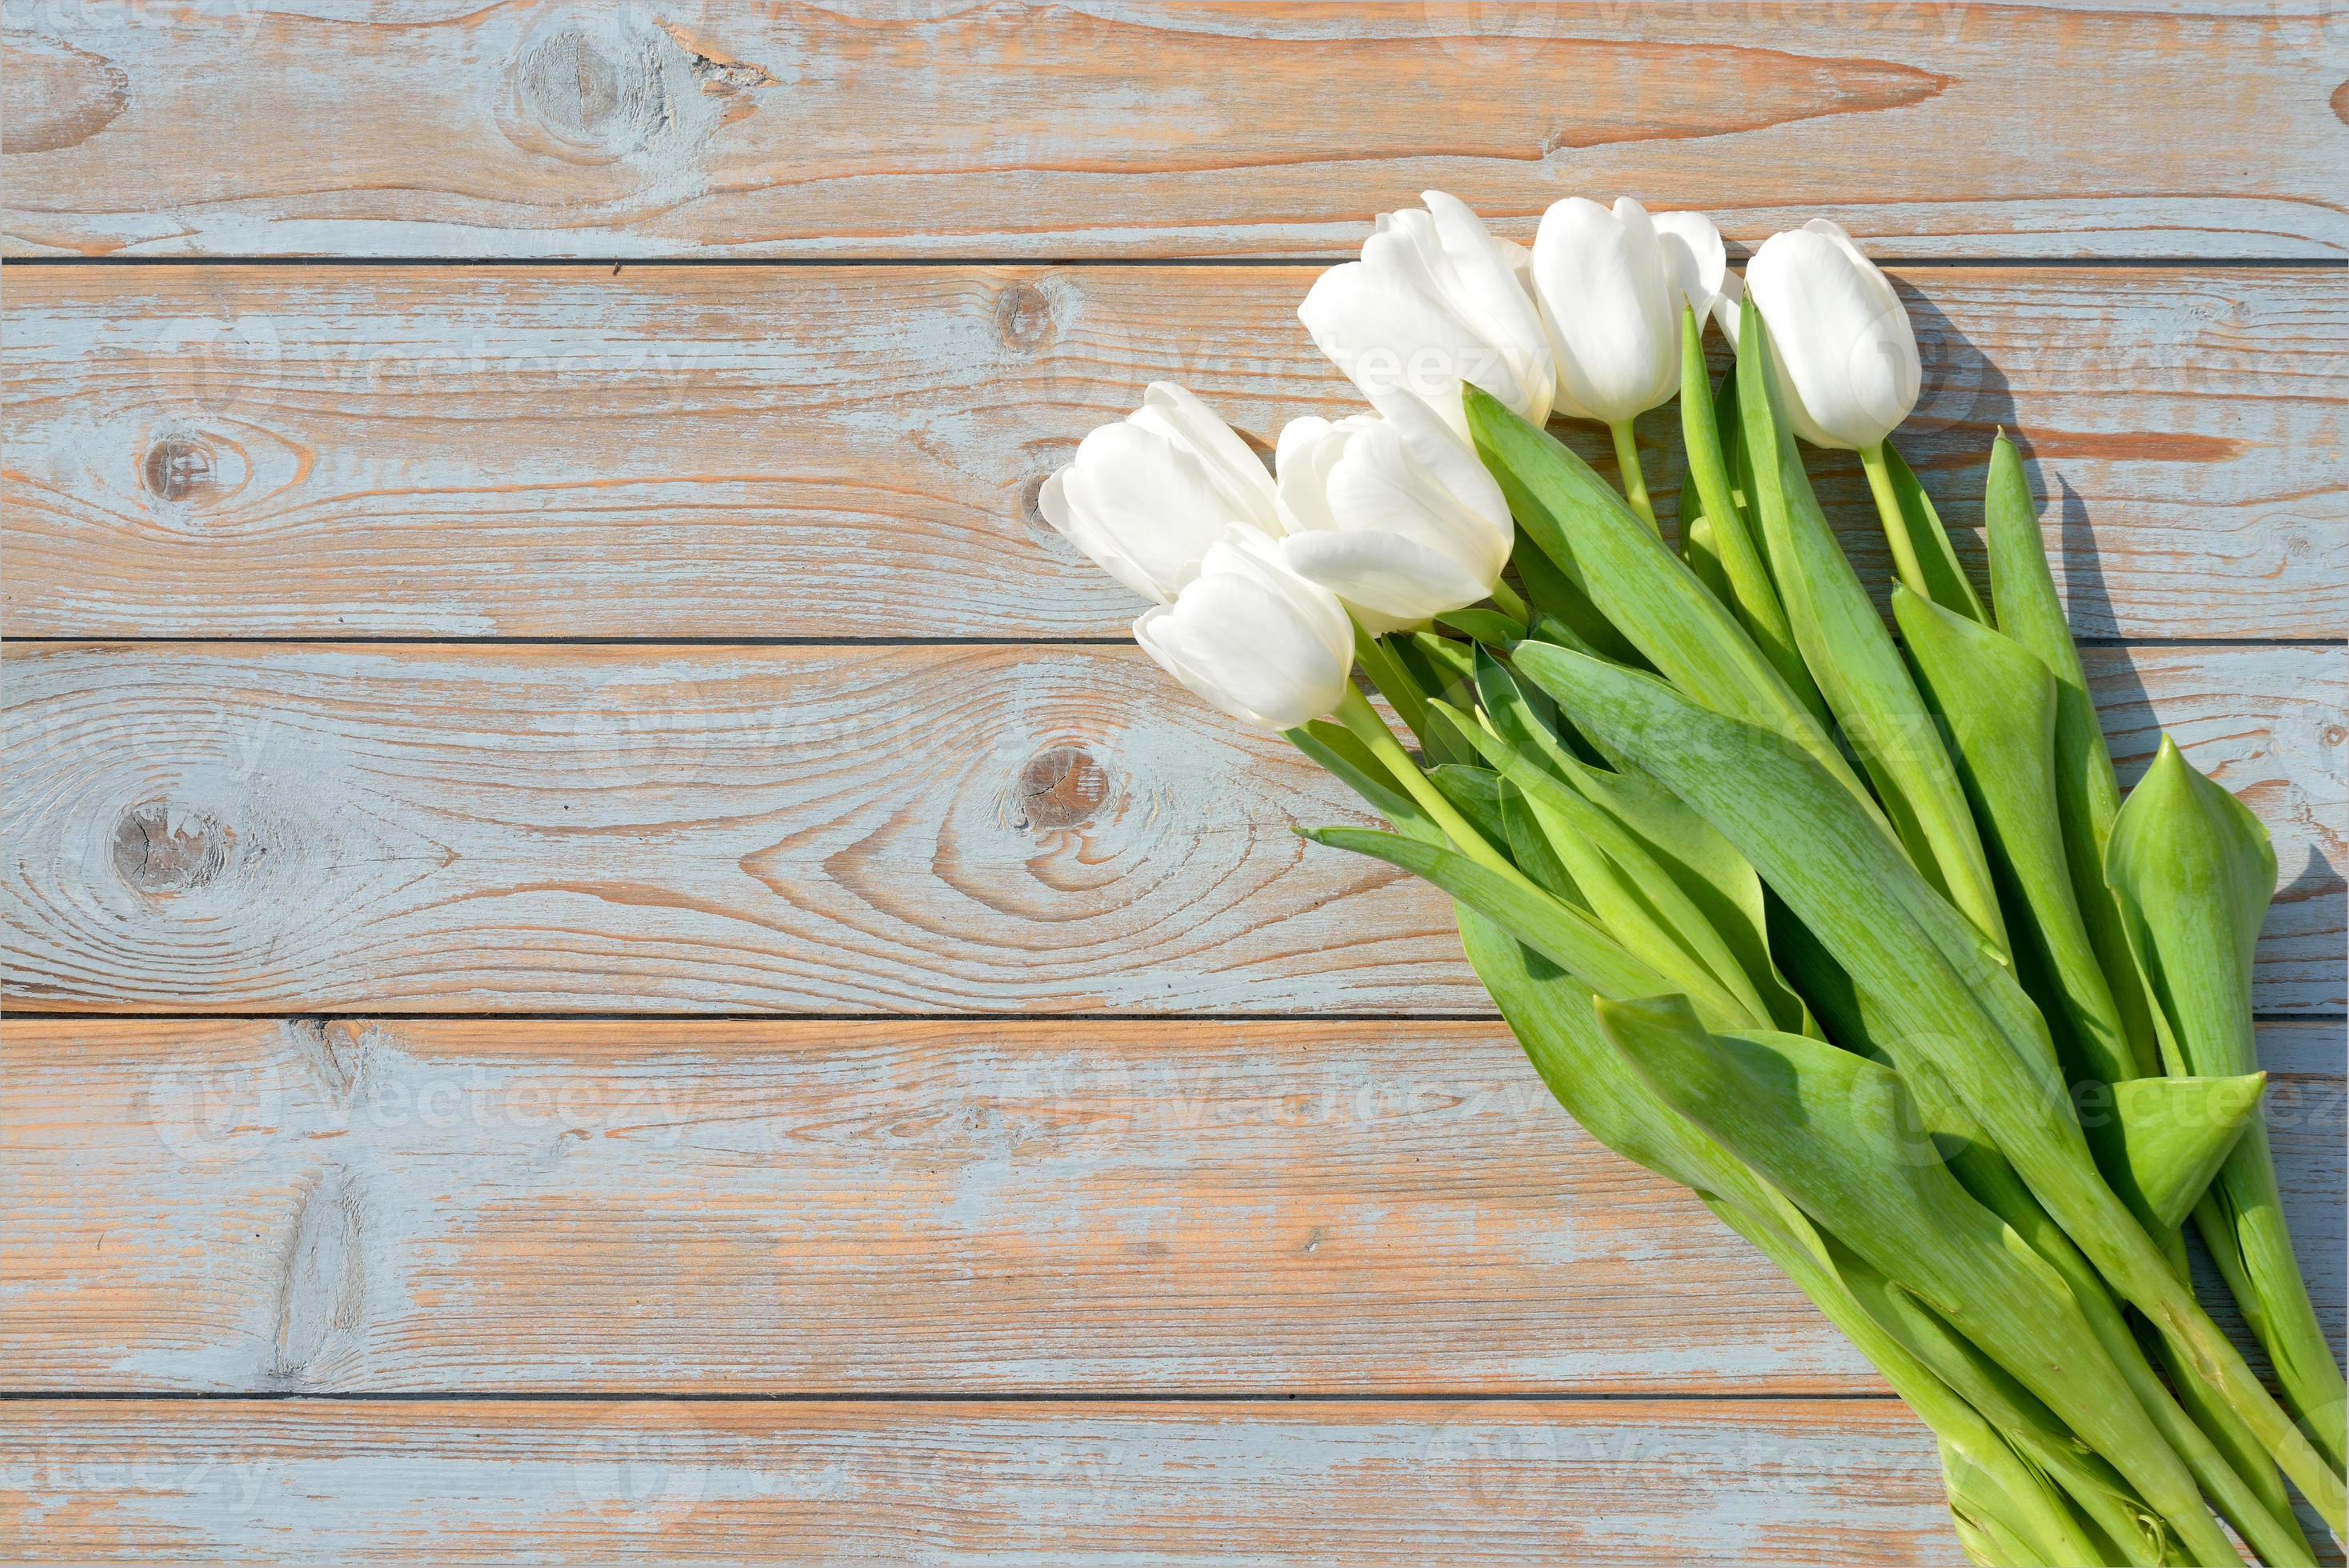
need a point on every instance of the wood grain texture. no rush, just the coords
(935, 128)
(855, 452)
(1372, 1483)
(433, 1206)
(647, 828)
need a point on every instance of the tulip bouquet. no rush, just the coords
(1852, 934)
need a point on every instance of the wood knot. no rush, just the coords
(587, 99)
(1023, 318)
(159, 851)
(179, 466)
(1061, 787)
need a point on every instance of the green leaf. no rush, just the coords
(1999, 703)
(1476, 794)
(1851, 656)
(2193, 871)
(1945, 579)
(2022, 591)
(1350, 760)
(1530, 848)
(1641, 586)
(1633, 897)
(1702, 553)
(1487, 626)
(1720, 886)
(1839, 1135)
(1952, 1018)
(2177, 1132)
(1730, 541)
(1558, 931)
(1560, 595)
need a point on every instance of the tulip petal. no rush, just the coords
(1390, 574)
(1614, 328)
(1237, 474)
(1144, 508)
(1847, 354)
(1254, 640)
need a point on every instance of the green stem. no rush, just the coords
(1896, 526)
(1361, 721)
(1635, 483)
(1512, 603)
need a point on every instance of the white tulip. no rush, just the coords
(1392, 515)
(1252, 637)
(1699, 266)
(1436, 300)
(1847, 356)
(1612, 309)
(1147, 496)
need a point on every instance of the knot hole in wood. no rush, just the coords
(1061, 788)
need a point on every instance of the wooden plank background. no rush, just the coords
(609, 953)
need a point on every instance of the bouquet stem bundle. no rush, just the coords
(1853, 936)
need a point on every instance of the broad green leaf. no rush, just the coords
(1643, 587)
(1350, 760)
(2177, 1132)
(1999, 703)
(1954, 1020)
(1901, 941)
(1640, 904)
(1529, 847)
(1702, 552)
(1398, 684)
(1717, 881)
(1476, 794)
(1729, 539)
(1851, 656)
(1945, 579)
(2022, 592)
(2193, 872)
(2012, 1410)
(1564, 935)
(1838, 1134)
(1487, 626)
(1561, 596)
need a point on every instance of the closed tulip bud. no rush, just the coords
(1252, 637)
(1612, 306)
(1699, 266)
(1436, 300)
(1391, 515)
(1148, 496)
(1847, 356)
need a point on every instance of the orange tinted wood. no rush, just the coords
(466, 1205)
(855, 452)
(1133, 130)
(945, 830)
(1407, 1482)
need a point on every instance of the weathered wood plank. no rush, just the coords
(433, 1205)
(853, 452)
(634, 828)
(1111, 129)
(1372, 1483)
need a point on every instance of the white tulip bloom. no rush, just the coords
(1436, 300)
(1392, 515)
(1846, 353)
(1699, 265)
(1612, 307)
(1252, 637)
(1147, 496)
